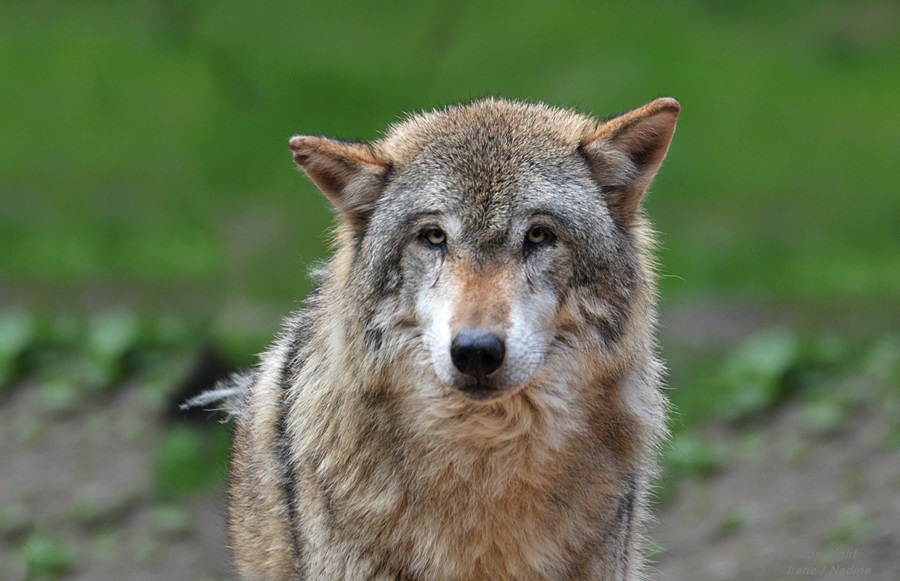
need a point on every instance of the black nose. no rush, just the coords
(477, 353)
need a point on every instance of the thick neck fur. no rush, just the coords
(395, 447)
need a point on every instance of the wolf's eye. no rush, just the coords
(536, 237)
(434, 237)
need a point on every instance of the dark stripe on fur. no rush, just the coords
(289, 485)
(625, 515)
(300, 334)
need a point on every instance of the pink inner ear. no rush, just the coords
(626, 152)
(643, 134)
(349, 174)
(647, 139)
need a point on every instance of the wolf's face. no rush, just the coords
(485, 262)
(487, 310)
(495, 240)
(486, 296)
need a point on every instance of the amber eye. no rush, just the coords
(537, 236)
(434, 236)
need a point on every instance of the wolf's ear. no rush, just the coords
(626, 151)
(351, 175)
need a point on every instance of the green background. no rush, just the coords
(144, 157)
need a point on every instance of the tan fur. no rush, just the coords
(486, 293)
(355, 458)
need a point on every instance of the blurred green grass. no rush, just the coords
(144, 142)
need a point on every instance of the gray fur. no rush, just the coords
(227, 396)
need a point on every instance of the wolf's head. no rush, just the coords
(489, 244)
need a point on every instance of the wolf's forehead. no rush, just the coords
(495, 128)
(484, 151)
(489, 163)
(488, 211)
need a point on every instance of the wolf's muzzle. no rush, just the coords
(477, 353)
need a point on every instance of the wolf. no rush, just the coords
(473, 390)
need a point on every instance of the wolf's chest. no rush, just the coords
(490, 529)
(486, 517)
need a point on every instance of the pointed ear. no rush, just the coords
(351, 175)
(626, 151)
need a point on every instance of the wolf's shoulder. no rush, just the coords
(287, 354)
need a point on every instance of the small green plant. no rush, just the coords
(690, 456)
(735, 520)
(171, 521)
(111, 336)
(47, 558)
(754, 374)
(59, 396)
(853, 528)
(190, 459)
(16, 334)
(824, 417)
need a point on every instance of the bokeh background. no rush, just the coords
(153, 231)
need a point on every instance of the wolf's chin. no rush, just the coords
(484, 392)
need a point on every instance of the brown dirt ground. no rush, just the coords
(84, 480)
(790, 504)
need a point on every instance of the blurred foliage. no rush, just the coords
(15, 523)
(74, 355)
(736, 520)
(756, 372)
(828, 379)
(687, 455)
(144, 155)
(749, 380)
(47, 558)
(172, 521)
(189, 460)
(16, 334)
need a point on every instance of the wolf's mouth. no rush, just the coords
(481, 391)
